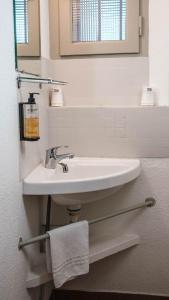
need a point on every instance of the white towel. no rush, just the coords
(67, 252)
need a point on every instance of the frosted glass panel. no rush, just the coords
(21, 12)
(98, 20)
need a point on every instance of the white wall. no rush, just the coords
(120, 80)
(102, 81)
(13, 221)
(44, 27)
(159, 49)
(130, 132)
(111, 132)
(145, 268)
(123, 132)
(19, 216)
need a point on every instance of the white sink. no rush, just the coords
(88, 179)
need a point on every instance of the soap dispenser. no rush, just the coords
(29, 119)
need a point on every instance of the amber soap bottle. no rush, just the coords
(29, 119)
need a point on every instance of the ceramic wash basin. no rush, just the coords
(88, 179)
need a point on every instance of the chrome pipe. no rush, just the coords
(149, 202)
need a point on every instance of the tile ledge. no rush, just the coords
(100, 248)
(109, 106)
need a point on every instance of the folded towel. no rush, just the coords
(67, 252)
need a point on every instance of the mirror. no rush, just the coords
(27, 35)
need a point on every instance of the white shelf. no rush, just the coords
(38, 276)
(105, 246)
(39, 80)
(100, 248)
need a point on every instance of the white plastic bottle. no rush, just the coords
(148, 98)
(57, 97)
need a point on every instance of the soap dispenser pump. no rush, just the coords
(29, 119)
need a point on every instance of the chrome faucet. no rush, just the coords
(53, 158)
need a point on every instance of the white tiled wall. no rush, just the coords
(111, 132)
(102, 81)
(159, 49)
(123, 132)
(141, 269)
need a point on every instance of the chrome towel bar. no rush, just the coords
(149, 202)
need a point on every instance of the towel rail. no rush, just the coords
(149, 202)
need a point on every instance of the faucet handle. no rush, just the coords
(61, 146)
(55, 149)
